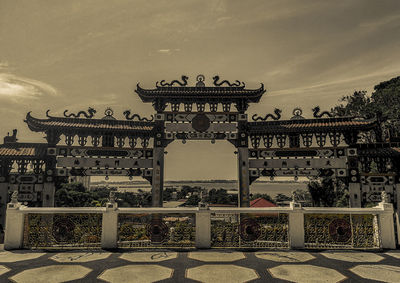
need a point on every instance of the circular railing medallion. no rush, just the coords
(249, 230)
(157, 230)
(63, 230)
(340, 230)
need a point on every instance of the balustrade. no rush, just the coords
(276, 227)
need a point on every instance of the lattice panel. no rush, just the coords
(156, 230)
(62, 231)
(340, 231)
(259, 230)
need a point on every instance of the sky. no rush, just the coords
(72, 54)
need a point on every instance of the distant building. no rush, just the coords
(261, 202)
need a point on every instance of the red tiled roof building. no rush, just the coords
(261, 202)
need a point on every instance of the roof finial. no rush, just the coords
(109, 114)
(200, 81)
(297, 112)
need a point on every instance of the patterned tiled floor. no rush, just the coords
(199, 266)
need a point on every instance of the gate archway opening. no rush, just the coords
(203, 165)
(200, 160)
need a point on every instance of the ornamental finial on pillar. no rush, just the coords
(14, 197)
(14, 204)
(384, 197)
(294, 203)
(111, 204)
(111, 197)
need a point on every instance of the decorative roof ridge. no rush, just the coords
(198, 88)
(29, 117)
(23, 145)
(315, 120)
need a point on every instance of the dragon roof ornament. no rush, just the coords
(89, 114)
(178, 91)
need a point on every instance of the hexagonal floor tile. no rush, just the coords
(221, 273)
(385, 273)
(285, 256)
(353, 256)
(148, 256)
(216, 256)
(79, 257)
(306, 273)
(18, 256)
(136, 273)
(51, 273)
(3, 269)
(393, 254)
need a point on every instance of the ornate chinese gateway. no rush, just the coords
(85, 144)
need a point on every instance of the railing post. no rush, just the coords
(14, 224)
(203, 227)
(296, 226)
(109, 229)
(386, 223)
(398, 227)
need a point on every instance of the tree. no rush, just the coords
(356, 104)
(282, 198)
(75, 195)
(303, 196)
(185, 190)
(193, 200)
(386, 98)
(219, 196)
(167, 194)
(328, 191)
(322, 192)
(384, 103)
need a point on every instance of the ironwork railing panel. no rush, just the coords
(341, 231)
(58, 231)
(149, 230)
(249, 230)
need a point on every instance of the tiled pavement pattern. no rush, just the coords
(199, 266)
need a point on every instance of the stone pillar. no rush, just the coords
(296, 226)
(48, 194)
(109, 229)
(3, 203)
(158, 177)
(14, 224)
(386, 223)
(203, 228)
(244, 180)
(355, 194)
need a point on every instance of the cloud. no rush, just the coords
(377, 23)
(3, 65)
(15, 87)
(339, 82)
(223, 19)
(164, 51)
